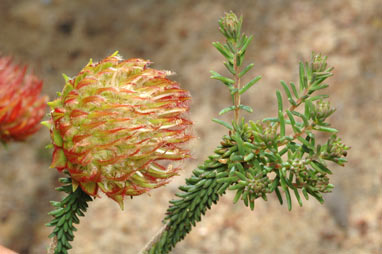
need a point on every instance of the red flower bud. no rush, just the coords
(116, 124)
(21, 106)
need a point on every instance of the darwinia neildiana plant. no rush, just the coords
(21, 105)
(112, 128)
(117, 120)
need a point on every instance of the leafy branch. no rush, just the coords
(278, 154)
(66, 215)
(234, 49)
(200, 192)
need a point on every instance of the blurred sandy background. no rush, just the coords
(59, 36)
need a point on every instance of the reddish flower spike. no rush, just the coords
(21, 106)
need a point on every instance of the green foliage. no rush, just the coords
(278, 155)
(66, 215)
(202, 190)
(233, 50)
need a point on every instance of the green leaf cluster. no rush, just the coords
(278, 155)
(66, 215)
(266, 162)
(233, 50)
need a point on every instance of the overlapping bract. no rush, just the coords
(21, 106)
(116, 124)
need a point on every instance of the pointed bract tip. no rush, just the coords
(75, 185)
(47, 124)
(115, 53)
(54, 104)
(66, 77)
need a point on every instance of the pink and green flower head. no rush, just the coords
(116, 126)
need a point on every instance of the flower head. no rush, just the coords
(21, 106)
(230, 25)
(318, 62)
(116, 124)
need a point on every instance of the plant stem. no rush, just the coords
(65, 216)
(237, 86)
(153, 240)
(298, 103)
(52, 245)
(200, 192)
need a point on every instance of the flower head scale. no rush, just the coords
(21, 106)
(116, 123)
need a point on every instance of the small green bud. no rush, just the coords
(230, 25)
(323, 110)
(318, 63)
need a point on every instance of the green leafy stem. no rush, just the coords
(234, 50)
(279, 154)
(66, 215)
